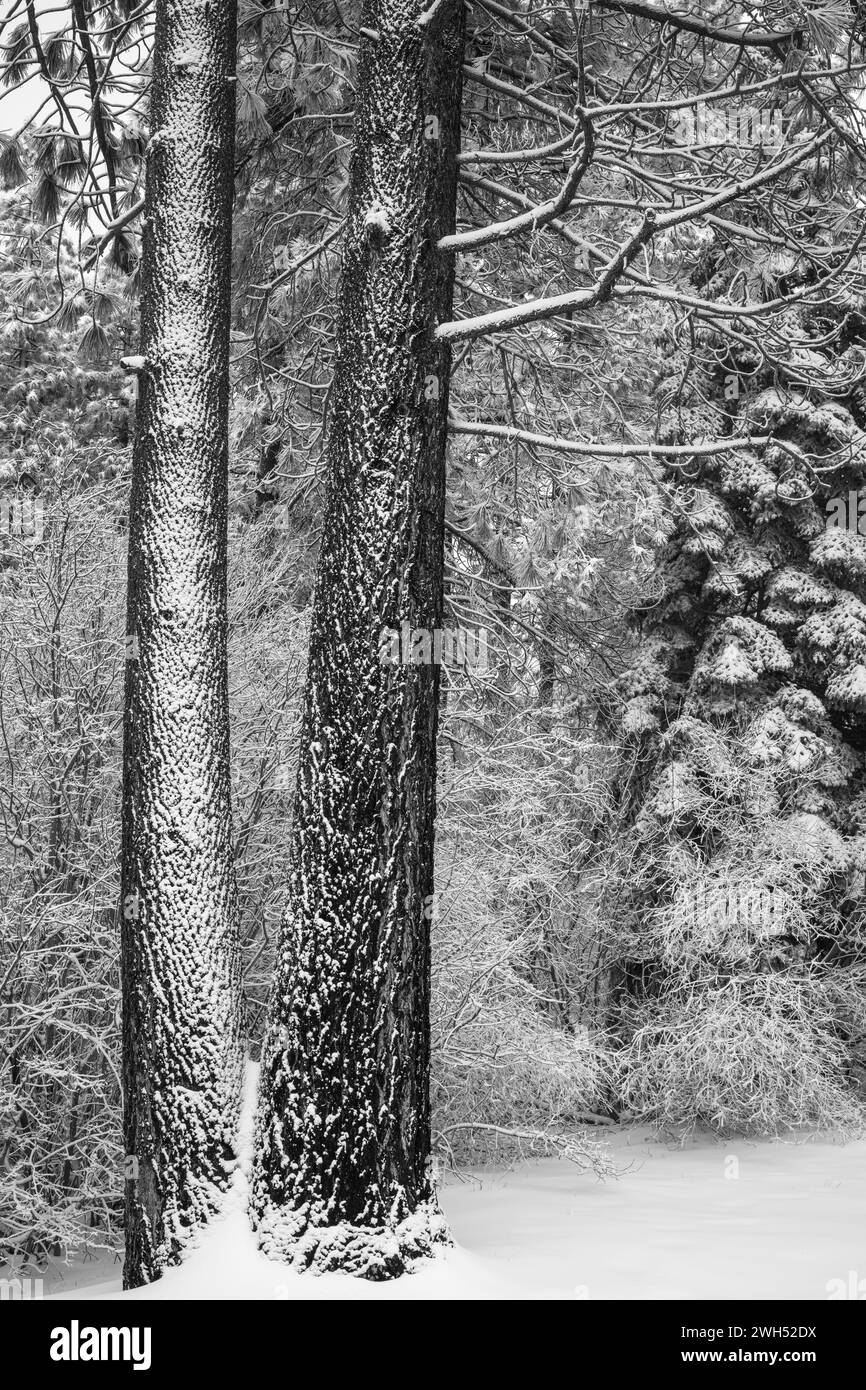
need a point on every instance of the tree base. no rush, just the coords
(367, 1252)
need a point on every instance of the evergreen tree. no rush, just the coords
(742, 948)
(342, 1174)
(181, 988)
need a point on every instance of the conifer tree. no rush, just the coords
(181, 981)
(743, 922)
(342, 1172)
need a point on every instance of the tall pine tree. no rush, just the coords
(342, 1177)
(182, 1060)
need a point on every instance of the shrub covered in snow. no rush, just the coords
(515, 1068)
(61, 658)
(751, 1054)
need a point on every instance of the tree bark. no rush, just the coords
(182, 1044)
(342, 1177)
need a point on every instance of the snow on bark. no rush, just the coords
(342, 1177)
(183, 1057)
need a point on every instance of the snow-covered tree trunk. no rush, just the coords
(342, 1177)
(183, 1054)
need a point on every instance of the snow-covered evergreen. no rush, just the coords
(742, 947)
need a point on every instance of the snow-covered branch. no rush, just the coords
(744, 37)
(535, 310)
(701, 448)
(547, 307)
(539, 216)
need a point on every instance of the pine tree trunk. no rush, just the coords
(182, 1043)
(342, 1177)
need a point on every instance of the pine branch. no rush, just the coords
(701, 448)
(539, 216)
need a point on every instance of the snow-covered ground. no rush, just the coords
(705, 1220)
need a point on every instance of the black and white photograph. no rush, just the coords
(433, 664)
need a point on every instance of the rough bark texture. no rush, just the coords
(182, 1018)
(342, 1176)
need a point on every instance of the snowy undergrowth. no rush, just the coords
(515, 1073)
(741, 930)
(698, 1220)
(755, 1054)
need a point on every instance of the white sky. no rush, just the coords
(18, 105)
